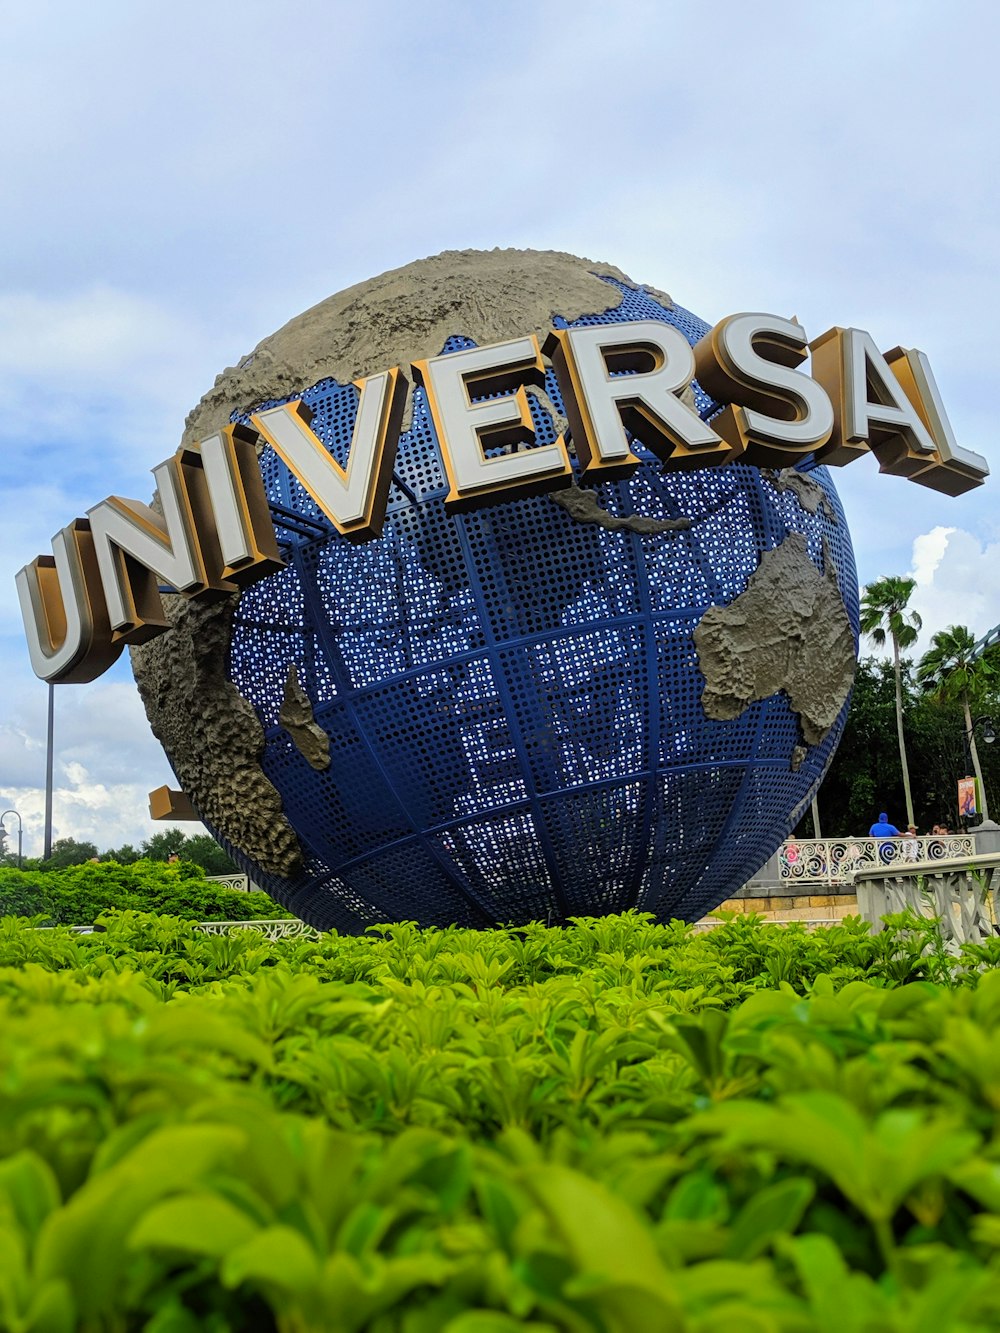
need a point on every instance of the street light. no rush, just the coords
(988, 732)
(20, 833)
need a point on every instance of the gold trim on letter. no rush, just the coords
(954, 470)
(230, 507)
(586, 361)
(375, 439)
(515, 476)
(870, 408)
(774, 415)
(65, 617)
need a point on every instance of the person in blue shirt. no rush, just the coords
(883, 829)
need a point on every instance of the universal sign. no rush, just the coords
(99, 589)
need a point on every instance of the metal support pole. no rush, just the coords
(815, 810)
(47, 851)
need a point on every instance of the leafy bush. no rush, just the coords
(77, 895)
(615, 1128)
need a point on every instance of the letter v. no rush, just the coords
(353, 498)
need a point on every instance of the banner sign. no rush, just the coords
(968, 804)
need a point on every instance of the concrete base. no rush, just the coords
(788, 888)
(794, 906)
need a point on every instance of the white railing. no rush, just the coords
(962, 893)
(238, 883)
(809, 923)
(272, 929)
(835, 860)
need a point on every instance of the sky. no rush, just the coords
(180, 180)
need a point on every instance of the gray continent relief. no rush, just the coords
(582, 505)
(787, 631)
(297, 717)
(211, 734)
(809, 493)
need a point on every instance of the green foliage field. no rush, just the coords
(618, 1127)
(77, 895)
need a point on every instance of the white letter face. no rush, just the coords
(959, 470)
(237, 512)
(160, 550)
(757, 386)
(601, 405)
(353, 498)
(465, 428)
(877, 410)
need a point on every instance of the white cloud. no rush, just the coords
(956, 582)
(928, 552)
(98, 332)
(96, 370)
(108, 815)
(106, 761)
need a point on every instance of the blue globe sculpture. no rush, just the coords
(513, 700)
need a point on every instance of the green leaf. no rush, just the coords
(839, 1301)
(29, 1187)
(697, 1197)
(276, 1257)
(85, 1242)
(608, 1243)
(51, 1310)
(198, 1223)
(492, 1321)
(774, 1210)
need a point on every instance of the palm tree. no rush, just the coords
(883, 615)
(951, 670)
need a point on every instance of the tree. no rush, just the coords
(125, 855)
(163, 845)
(864, 775)
(204, 851)
(883, 615)
(952, 673)
(201, 849)
(69, 852)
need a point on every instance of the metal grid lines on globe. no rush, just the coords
(513, 697)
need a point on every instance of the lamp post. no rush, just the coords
(20, 833)
(989, 735)
(47, 848)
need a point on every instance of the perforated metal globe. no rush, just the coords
(513, 697)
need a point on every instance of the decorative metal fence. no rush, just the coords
(834, 861)
(273, 930)
(238, 883)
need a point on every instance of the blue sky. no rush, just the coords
(181, 180)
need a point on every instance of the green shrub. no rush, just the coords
(618, 1127)
(77, 895)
